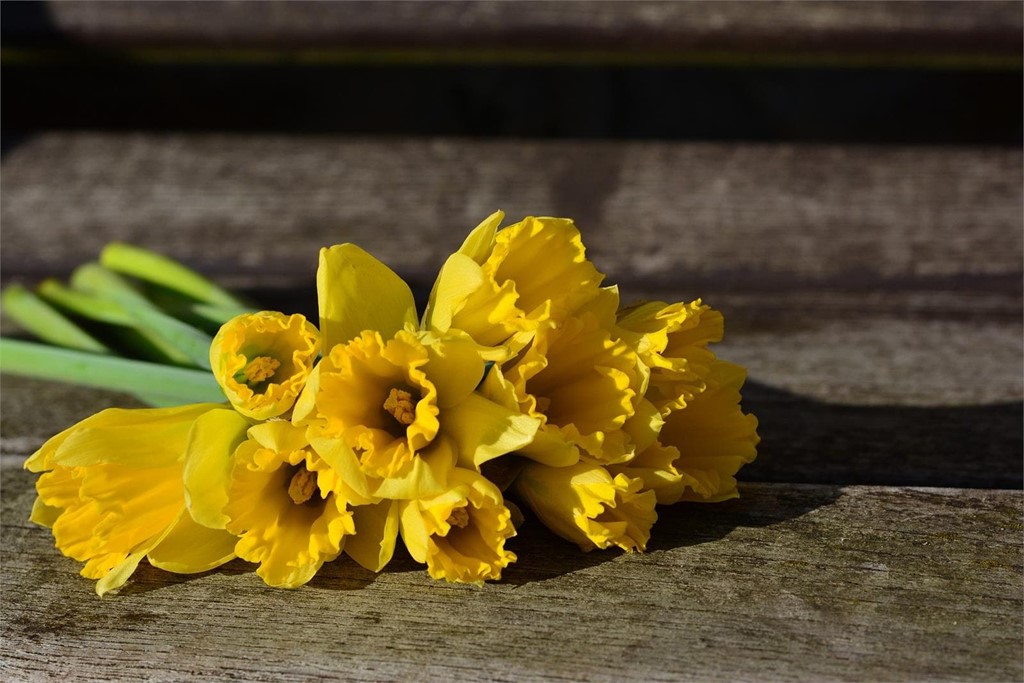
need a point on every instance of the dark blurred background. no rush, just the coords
(906, 72)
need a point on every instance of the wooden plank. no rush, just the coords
(906, 28)
(711, 217)
(800, 583)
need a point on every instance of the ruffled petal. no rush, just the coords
(713, 435)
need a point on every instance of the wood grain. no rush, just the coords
(710, 217)
(620, 27)
(788, 583)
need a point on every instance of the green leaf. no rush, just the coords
(38, 317)
(84, 305)
(206, 317)
(149, 381)
(152, 267)
(181, 343)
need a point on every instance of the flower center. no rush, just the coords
(302, 486)
(399, 405)
(459, 517)
(259, 370)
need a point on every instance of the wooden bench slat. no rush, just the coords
(619, 27)
(794, 582)
(708, 216)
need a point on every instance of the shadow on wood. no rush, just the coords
(809, 441)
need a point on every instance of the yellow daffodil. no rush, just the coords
(284, 502)
(261, 361)
(588, 506)
(377, 398)
(673, 343)
(460, 534)
(112, 492)
(502, 285)
(396, 430)
(584, 384)
(406, 408)
(401, 403)
(713, 437)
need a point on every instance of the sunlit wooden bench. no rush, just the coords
(874, 293)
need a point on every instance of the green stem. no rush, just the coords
(151, 382)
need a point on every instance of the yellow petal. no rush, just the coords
(354, 483)
(546, 446)
(460, 534)
(455, 369)
(414, 531)
(281, 437)
(587, 505)
(207, 475)
(190, 548)
(714, 437)
(134, 438)
(644, 425)
(43, 514)
(112, 581)
(546, 259)
(655, 467)
(289, 538)
(376, 533)
(356, 292)
(480, 241)
(484, 430)
(460, 276)
(425, 476)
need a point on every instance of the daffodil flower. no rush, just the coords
(502, 285)
(585, 504)
(460, 534)
(398, 402)
(261, 361)
(396, 431)
(673, 343)
(286, 506)
(112, 492)
(714, 439)
(377, 398)
(584, 384)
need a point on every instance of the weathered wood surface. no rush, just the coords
(874, 294)
(629, 28)
(787, 583)
(675, 215)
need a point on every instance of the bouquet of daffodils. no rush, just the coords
(523, 380)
